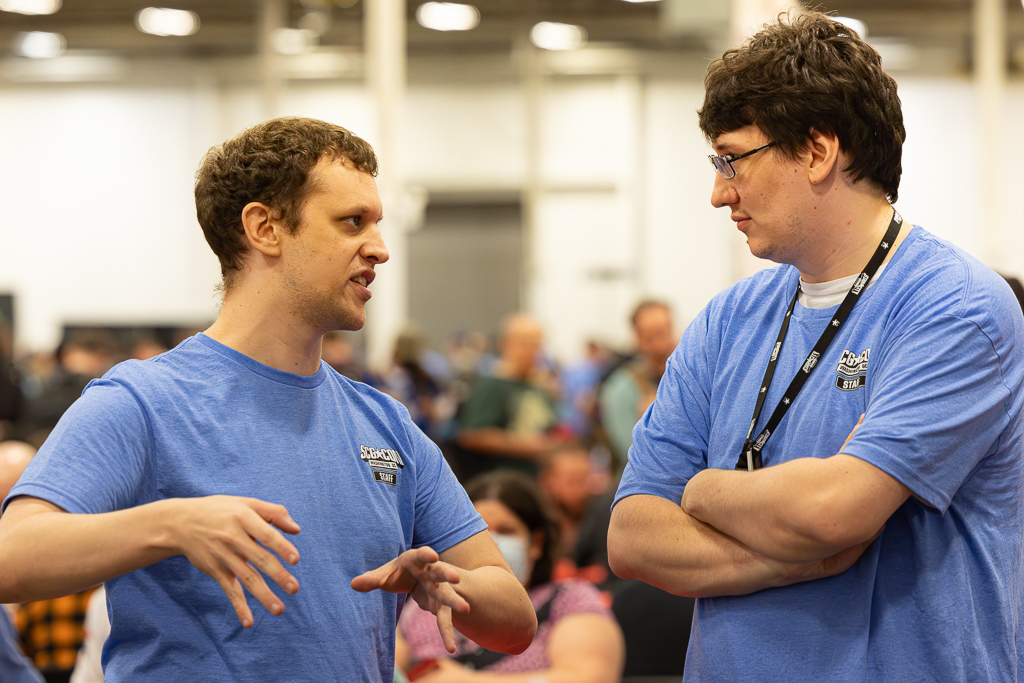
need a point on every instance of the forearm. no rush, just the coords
(799, 511)
(654, 540)
(500, 615)
(496, 441)
(47, 553)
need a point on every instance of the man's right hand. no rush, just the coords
(789, 573)
(229, 538)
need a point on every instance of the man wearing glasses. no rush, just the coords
(833, 464)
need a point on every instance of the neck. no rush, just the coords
(254, 325)
(848, 244)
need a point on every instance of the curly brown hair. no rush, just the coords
(804, 73)
(268, 163)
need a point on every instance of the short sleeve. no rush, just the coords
(97, 457)
(444, 516)
(670, 442)
(937, 407)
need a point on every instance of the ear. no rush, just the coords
(263, 228)
(536, 548)
(823, 154)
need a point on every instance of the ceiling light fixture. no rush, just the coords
(162, 21)
(294, 41)
(447, 16)
(549, 35)
(30, 6)
(39, 45)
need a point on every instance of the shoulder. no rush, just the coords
(364, 393)
(746, 301)
(188, 360)
(933, 278)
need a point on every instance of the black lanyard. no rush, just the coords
(750, 458)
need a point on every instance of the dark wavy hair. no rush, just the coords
(804, 73)
(268, 163)
(521, 495)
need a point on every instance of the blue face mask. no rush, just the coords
(514, 549)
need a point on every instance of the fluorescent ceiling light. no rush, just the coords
(549, 35)
(39, 45)
(162, 21)
(294, 41)
(447, 16)
(856, 24)
(30, 6)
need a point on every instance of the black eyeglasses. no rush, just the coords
(723, 164)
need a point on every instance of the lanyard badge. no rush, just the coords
(750, 458)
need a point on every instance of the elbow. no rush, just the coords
(622, 560)
(9, 590)
(518, 646)
(515, 641)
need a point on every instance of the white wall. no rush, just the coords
(98, 222)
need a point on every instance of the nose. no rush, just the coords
(723, 193)
(374, 248)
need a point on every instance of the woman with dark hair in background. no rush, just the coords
(578, 640)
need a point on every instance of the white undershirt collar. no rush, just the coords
(831, 293)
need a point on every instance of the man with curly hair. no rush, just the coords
(196, 461)
(833, 465)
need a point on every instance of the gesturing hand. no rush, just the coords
(229, 538)
(421, 573)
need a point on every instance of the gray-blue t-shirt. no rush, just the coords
(931, 356)
(361, 480)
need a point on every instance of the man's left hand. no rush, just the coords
(430, 582)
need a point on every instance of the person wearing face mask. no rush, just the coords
(577, 641)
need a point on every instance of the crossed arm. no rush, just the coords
(238, 541)
(739, 532)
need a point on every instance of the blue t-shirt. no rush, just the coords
(361, 480)
(930, 355)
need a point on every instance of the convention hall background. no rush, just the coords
(564, 183)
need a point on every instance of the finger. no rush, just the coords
(260, 530)
(843, 560)
(233, 589)
(444, 594)
(441, 572)
(859, 423)
(419, 557)
(268, 563)
(445, 628)
(275, 514)
(375, 578)
(257, 587)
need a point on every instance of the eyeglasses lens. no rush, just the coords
(723, 166)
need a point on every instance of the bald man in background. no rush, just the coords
(507, 420)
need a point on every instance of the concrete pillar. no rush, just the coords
(272, 17)
(990, 58)
(385, 47)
